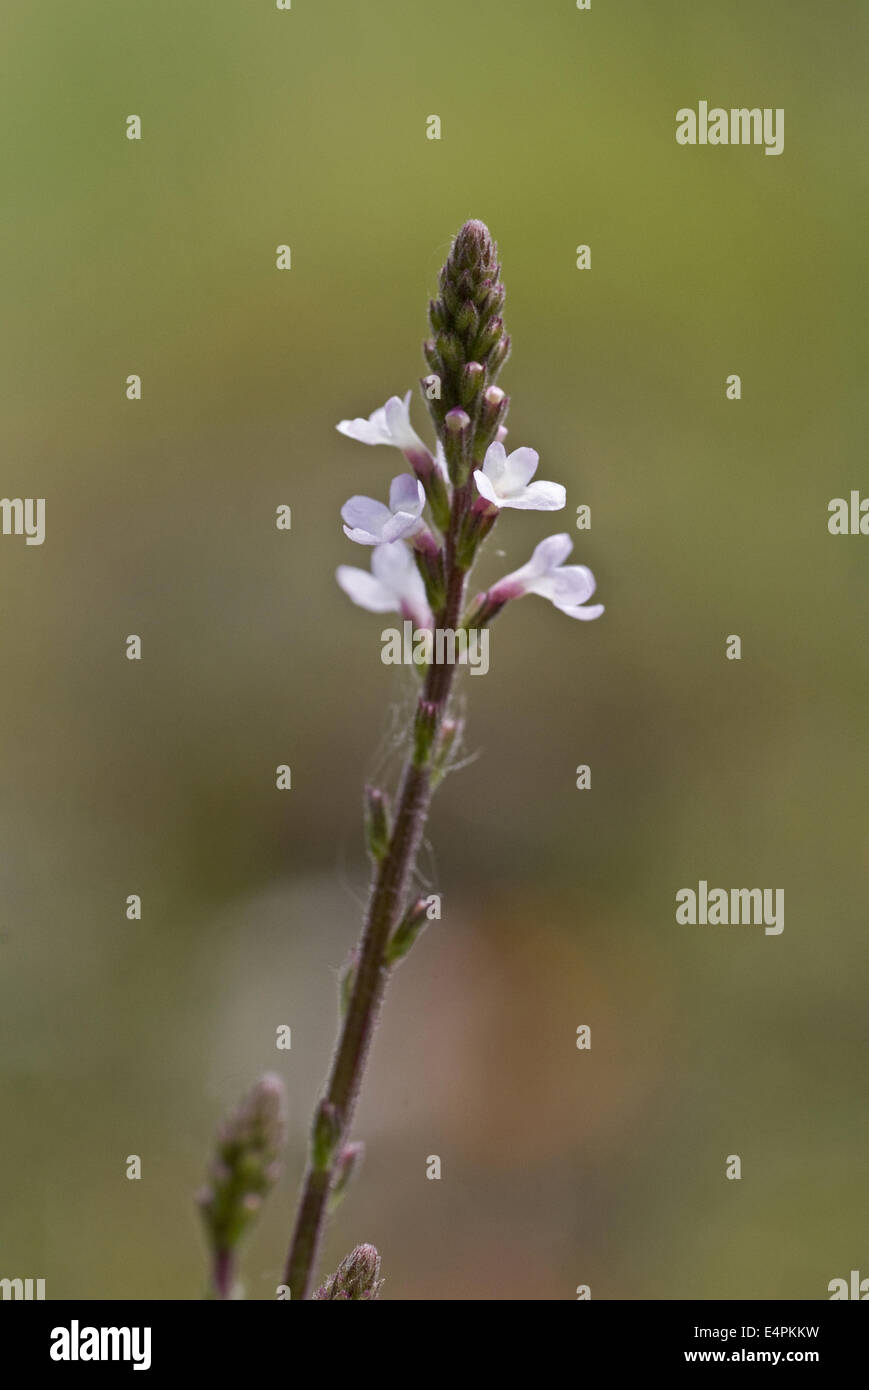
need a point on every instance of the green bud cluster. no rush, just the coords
(246, 1164)
(469, 343)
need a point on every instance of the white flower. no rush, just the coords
(394, 585)
(388, 425)
(373, 523)
(505, 481)
(566, 586)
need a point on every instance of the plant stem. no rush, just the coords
(385, 908)
(224, 1274)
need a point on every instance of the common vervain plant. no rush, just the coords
(424, 542)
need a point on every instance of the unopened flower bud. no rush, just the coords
(474, 248)
(325, 1135)
(467, 322)
(406, 932)
(491, 302)
(490, 334)
(357, 1277)
(346, 981)
(437, 315)
(448, 742)
(434, 483)
(466, 316)
(347, 1166)
(376, 823)
(457, 438)
(430, 563)
(449, 349)
(452, 297)
(476, 525)
(498, 356)
(471, 382)
(493, 408)
(432, 356)
(424, 728)
(457, 420)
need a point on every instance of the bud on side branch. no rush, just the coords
(243, 1172)
(376, 823)
(346, 981)
(406, 932)
(357, 1277)
(325, 1135)
(347, 1166)
(424, 729)
(447, 745)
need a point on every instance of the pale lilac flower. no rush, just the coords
(566, 586)
(393, 586)
(369, 522)
(388, 425)
(505, 481)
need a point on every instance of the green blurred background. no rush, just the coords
(708, 518)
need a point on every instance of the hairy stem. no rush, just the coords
(385, 908)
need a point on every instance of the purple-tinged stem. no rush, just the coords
(386, 906)
(224, 1273)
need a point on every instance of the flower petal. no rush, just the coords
(537, 497)
(585, 615)
(548, 555)
(399, 526)
(566, 586)
(371, 431)
(406, 494)
(519, 469)
(389, 424)
(395, 567)
(397, 419)
(485, 488)
(366, 514)
(365, 590)
(394, 585)
(495, 467)
(416, 608)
